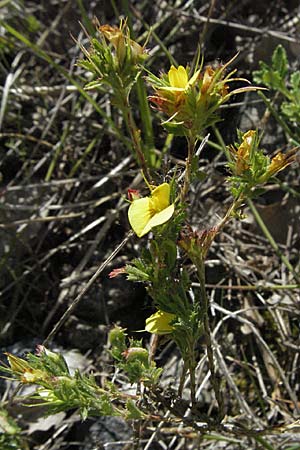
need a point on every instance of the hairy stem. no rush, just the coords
(182, 379)
(135, 135)
(192, 368)
(191, 139)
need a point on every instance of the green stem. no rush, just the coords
(146, 120)
(191, 139)
(182, 379)
(135, 135)
(192, 367)
(231, 210)
(221, 143)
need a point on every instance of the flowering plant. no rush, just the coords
(171, 265)
(191, 100)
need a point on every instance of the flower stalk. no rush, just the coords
(135, 135)
(191, 141)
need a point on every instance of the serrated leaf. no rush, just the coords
(291, 110)
(280, 61)
(295, 82)
(273, 76)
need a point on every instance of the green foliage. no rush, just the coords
(133, 358)
(134, 413)
(275, 77)
(251, 168)
(138, 270)
(58, 390)
(10, 433)
(53, 363)
(291, 108)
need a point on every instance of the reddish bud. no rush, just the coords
(133, 194)
(115, 272)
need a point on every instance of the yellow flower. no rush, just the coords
(119, 38)
(148, 212)
(23, 369)
(17, 365)
(281, 161)
(244, 151)
(159, 323)
(242, 154)
(178, 78)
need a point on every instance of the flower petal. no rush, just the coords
(178, 78)
(160, 197)
(159, 322)
(159, 218)
(139, 214)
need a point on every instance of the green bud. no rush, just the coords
(52, 361)
(117, 338)
(137, 354)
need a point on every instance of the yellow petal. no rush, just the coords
(148, 212)
(159, 218)
(178, 78)
(160, 197)
(159, 322)
(139, 214)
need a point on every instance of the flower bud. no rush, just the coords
(116, 338)
(115, 272)
(136, 354)
(133, 194)
(25, 372)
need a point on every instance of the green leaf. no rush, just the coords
(136, 274)
(171, 253)
(175, 128)
(291, 110)
(280, 62)
(133, 411)
(7, 424)
(295, 90)
(94, 85)
(273, 76)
